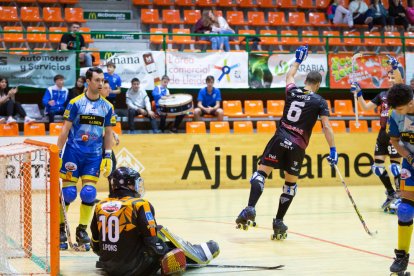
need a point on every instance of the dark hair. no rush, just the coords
(6, 89)
(399, 95)
(313, 77)
(78, 90)
(134, 80)
(92, 70)
(76, 23)
(110, 63)
(165, 77)
(58, 77)
(209, 78)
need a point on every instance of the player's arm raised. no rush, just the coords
(301, 54)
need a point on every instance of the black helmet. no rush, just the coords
(123, 177)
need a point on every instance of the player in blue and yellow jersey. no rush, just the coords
(400, 128)
(87, 129)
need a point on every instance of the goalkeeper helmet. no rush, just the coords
(123, 177)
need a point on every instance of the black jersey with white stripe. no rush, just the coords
(301, 111)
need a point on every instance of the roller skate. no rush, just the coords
(63, 238)
(399, 266)
(246, 218)
(386, 205)
(393, 207)
(82, 237)
(279, 229)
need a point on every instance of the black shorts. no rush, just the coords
(383, 145)
(282, 154)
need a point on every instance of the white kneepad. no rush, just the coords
(395, 169)
(378, 170)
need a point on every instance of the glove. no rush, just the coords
(301, 53)
(106, 164)
(393, 62)
(333, 157)
(355, 88)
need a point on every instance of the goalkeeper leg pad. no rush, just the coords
(173, 262)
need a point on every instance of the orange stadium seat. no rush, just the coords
(33, 35)
(290, 37)
(226, 3)
(55, 129)
(256, 18)
(55, 38)
(206, 3)
(86, 37)
(317, 128)
(338, 126)
(277, 19)
(241, 38)
(74, 15)
(158, 39)
(117, 128)
(409, 38)
(242, 127)
(142, 2)
(97, 56)
(313, 41)
(322, 4)
(247, 4)
(375, 125)
(394, 41)
(8, 14)
(34, 129)
(235, 18)
(23, 51)
(343, 108)
(286, 4)
(266, 126)
(46, 1)
(150, 16)
(30, 14)
(13, 37)
(163, 2)
(363, 126)
(195, 127)
(297, 19)
(171, 17)
(9, 130)
(275, 107)
(328, 102)
(266, 3)
(219, 127)
(52, 14)
(24, 1)
(305, 4)
(233, 108)
(372, 40)
(268, 40)
(185, 3)
(318, 19)
(70, 2)
(352, 41)
(191, 16)
(253, 108)
(334, 41)
(182, 39)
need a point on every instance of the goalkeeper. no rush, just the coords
(128, 240)
(87, 128)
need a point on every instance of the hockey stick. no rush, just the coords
(236, 266)
(354, 58)
(74, 246)
(353, 203)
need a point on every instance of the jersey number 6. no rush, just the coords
(113, 228)
(295, 111)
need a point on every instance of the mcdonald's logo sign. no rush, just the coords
(99, 36)
(92, 15)
(108, 55)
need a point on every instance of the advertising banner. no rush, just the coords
(369, 71)
(270, 70)
(409, 73)
(189, 70)
(38, 70)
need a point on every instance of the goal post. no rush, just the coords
(29, 202)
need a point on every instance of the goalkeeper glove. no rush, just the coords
(393, 62)
(301, 54)
(106, 164)
(333, 157)
(355, 88)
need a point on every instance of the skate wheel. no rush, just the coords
(272, 237)
(63, 246)
(251, 223)
(87, 247)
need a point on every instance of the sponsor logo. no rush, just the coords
(85, 137)
(127, 159)
(149, 216)
(405, 174)
(108, 55)
(92, 15)
(225, 70)
(111, 207)
(70, 166)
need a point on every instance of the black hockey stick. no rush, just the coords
(236, 266)
(353, 203)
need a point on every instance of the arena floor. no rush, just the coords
(325, 235)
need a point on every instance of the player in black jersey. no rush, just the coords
(286, 149)
(383, 147)
(127, 239)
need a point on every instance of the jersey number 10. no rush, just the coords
(112, 224)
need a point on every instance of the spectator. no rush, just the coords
(209, 99)
(68, 42)
(114, 81)
(138, 103)
(205, 26)
(379, 14)
(360, 13)
(56, 98)
(410, 12)
(8, 106)
(162, 92)
(78, 89)
(338, 14)
(397, 15)
(224, 29)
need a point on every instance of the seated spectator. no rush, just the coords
(8, 106)
(68, 42)
(209, 99)
(56, 98)
(224, 29)
(114, 82)
(138, 103)
(78, 89)
(338, 14)
(396, 13)
(360, 13)
(379, 14)
(205, 26)
(162, 92)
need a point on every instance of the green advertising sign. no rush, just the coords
(94, 15)
(116, 36)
